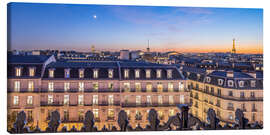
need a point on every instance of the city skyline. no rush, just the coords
(181, 29)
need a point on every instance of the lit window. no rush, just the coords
(50, 99)
(50, 86)
(16, 100)
(30, 86)
(32, 71)
(148, 73)
(137, 73)
(148, 100)
(159, 86)
(29, 100)
(95, 111)
(160, 99)
(253, 83)
(126, 87)
(252, 94)
(148, 87)
(66, 86)
(126, 99)
(110, 100)
(182, 99)
(126, 73)
(95, 86)
(80, 99)
(110, 86)
(138, 100)
(160, 114)
(66, 99)
(208, 79)
(110, 73)
(95, 99)
(67, 73)
(110, 113)
(51, 73)
(81, 73)
(241, 83)
(18, 71)
(95, 73)
(138, 115)
(171, 112)
(80, 114)
(230, 117)
(17, 86)
(181, 86)
(81, 86)
(171, 99)
(230, 93)
(170, 87)
(158, 73)
(66, 115)
(169, 73)
(138, 87)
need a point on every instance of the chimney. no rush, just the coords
(230, 74)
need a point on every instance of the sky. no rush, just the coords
(111, 28)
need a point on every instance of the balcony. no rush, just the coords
(55, 103)
(230, 108)
(23, 90)
(148, 105)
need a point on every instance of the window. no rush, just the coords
(51, 73)
(230, 93)
(253, 107)
(66, 86)
(126, 73)
(159, 73)
(138, 87)
(30, 86)
(253, 83)
(29, 100)
(126, 99)
(171, 112)
(80, 99)
(95, 86)
(126, 87)
(66, 99)
(159, 86)
(208, 79)
(160, 115)
(110, 73)
(160, 100)
(169, 73)
(138, 115)
(148, 100)
(137, 73)
(138, 100)
(149, 87)
(219, 92)
(110, 113)
(80, 114)
(212, 90)
(95, 111)
(50, 86)
(81, 73)
(252, 94)
(182, 99)
(230, 83)
(17, 85)
(128, 114)
(95, 73)
(181, 86)
(170, 87)
(148, 73)
(110, 86)
(230, 117)
(207, 89)
(16, 100)
(32, 71)
(81, 86)
(110, 100)
(220, 82)
(29, 116)
(95, 99)
(253, 117)
(67, 73)
(241, 83)
(243, 106)
(171, 99)
(242, 94)
(230, 106)
(18, 71)
(50, 99)
(66, 115)
(218, 103)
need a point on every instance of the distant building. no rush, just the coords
(124, 54)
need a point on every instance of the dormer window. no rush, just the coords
(51, 73)
(95, 73)
(148, 73)
(18, 71)
(67, 73)
(159, 73)
(32, 71)
(208, 79)
(198, 76)
(169, 73)
(137, 73)
(126, 73)
(220, 82)
(81, 73)
(241, 83)
(253, 83)
(230, 83)
(110, 73)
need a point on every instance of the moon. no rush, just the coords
(95, 16)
